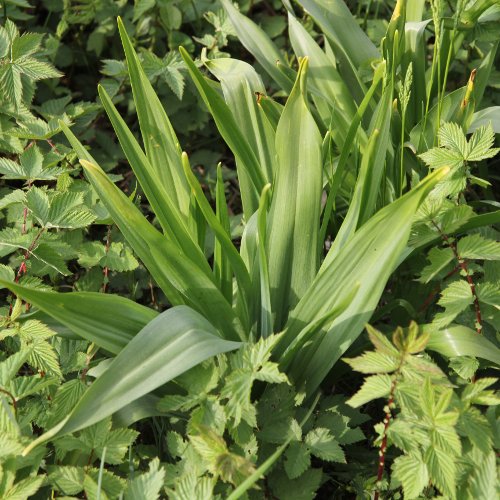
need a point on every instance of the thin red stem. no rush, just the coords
(463, 266)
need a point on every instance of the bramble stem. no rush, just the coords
(463, 266)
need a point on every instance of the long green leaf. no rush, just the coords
(181, 280)
(107, 320)
(161, 143)
(337, 22)
(237, 264)
(367, 189)
(368, 258)
(241, 86)
(171, 344)
(168, 214)
(256, 41)
(352, 46)
(222, 268)
(458, 340)
(231, 133)
(352, 133)
(323, 75)
(293, 226)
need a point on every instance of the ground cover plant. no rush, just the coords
(207, 346)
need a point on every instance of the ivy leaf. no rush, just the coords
(323, 445)
(374, 387)
(297, 459)
(412, 472)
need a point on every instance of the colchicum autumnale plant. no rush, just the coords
(283, 283)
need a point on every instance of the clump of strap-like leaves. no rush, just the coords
(436, 426)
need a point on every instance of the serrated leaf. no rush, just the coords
(439, 258)
(381, 342)
(465, 366)
(26, 44)
(24, 489)
(38, 203)
(483, 482)
(374, 362)
(476, 246)
(323, 445)
(302, 488)
(148, 485)
(412, 472)
(35, 69)
(67, 479)
(297, 459)
(442, 470)
(374, 387)
(477, 428)
(441, 157)
(455, 298)
(119, 258)
(489, 293)
(452, 136)
(111, 485)
(480, 143)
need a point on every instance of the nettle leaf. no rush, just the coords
(323, 445)
(297, 459)
(374, 387)
(476, 246)
(455, 298)
(412, 472)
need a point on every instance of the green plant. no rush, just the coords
(446, 442)
(294, 294)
